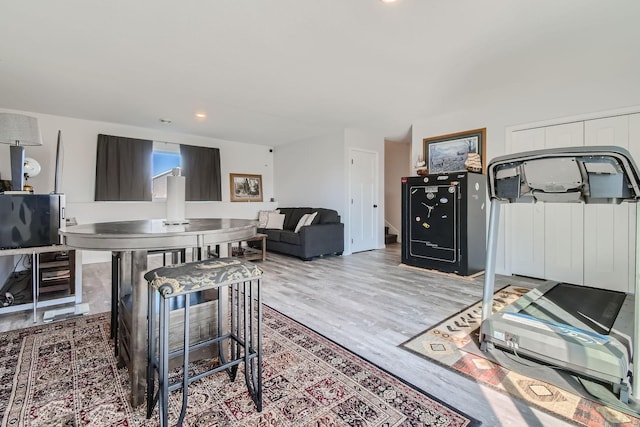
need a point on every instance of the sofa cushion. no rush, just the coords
(290, 237)
(326, 216)
(273, 235)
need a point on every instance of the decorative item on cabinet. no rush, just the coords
(473, 163)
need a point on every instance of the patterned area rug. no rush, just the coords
(454, 344)
(65, 374)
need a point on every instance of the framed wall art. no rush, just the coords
(245, 188)
(448, 153)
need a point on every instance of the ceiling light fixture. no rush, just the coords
(388, 1)
(201, 115)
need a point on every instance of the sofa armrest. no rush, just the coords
(321, 239)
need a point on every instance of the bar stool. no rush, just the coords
(239, 326)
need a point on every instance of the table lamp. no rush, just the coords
(18, 130)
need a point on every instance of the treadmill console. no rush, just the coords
(575, 174)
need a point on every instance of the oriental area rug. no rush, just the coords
(65, 374)
(454, 343)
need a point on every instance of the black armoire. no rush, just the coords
(444, 222)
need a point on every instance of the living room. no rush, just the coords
(291, 91)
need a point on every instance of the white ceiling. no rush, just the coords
(276, 71)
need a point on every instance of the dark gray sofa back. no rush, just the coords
(326, 216)
(293, 215)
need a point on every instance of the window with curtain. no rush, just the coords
(123, 169)
(201, 168)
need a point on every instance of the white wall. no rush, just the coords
(397, 163)
(314, 173)
(78, 178)
(311, 173)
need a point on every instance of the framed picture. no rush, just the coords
(245, 188)
(448, 153)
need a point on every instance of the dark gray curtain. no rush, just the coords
(201, 167)
(123, 169)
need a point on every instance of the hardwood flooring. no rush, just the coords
(369, 304)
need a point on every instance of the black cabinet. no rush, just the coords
(444, 222)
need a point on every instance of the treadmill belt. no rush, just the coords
(578, 306)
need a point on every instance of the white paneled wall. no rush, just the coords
(563, 223)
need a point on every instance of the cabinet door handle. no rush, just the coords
(375, 206)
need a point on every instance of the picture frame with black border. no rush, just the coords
(448, 153)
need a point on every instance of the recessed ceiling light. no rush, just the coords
(165, 121)
(201, 115)
(388, 1)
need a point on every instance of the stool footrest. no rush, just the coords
(178, 385)
(199, 345)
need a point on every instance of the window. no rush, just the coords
(136, 170)
(165, 157)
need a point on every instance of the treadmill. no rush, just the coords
(561, 324)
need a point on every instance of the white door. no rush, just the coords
(608, 246)
(526, 220)
(564, 222)
(363, 193)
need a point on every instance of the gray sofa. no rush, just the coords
(325, 235)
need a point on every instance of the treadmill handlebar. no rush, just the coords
(594, 174)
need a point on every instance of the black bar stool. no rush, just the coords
(239, 337)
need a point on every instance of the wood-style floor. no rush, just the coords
(369, 304)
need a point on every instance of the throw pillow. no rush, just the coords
(302, 222)
(263, 217)
(310, 218)
(275, 221)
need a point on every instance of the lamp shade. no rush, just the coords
(18, 129)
